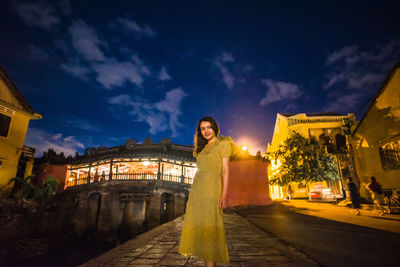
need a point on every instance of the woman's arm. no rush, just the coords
(223, 203)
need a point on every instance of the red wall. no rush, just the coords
(57, 171)
(248, 183)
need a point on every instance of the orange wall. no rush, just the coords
(248, 183)
(57, 171)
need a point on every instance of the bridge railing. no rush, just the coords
(130, 176)
(134, 176)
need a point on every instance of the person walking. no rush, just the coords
(355, 199)
(377, 195)
(203, 232)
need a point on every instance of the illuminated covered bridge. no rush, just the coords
(132, 161)
(131, 187)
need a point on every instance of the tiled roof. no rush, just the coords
(14, 90)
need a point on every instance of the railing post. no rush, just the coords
(110, 173)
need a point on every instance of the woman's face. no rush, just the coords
(206, 131)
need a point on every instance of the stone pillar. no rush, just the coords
(105, 213)
(110, 173)
(158, 171)
(182, 174)
(134, 216)
(128, 218)
(162, 170)
(88, 177)
(154, 214)
(179, 204)
(77, 178)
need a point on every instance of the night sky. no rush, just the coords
(101, 73)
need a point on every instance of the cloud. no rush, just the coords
(279, 91)
(342, 53)
(112, 73)
(220, 63)
(37, 14)
(172, 106)
(163, 75)
(143, 111)
(43, 141)
(358, 73)
(343, 102)
(37, 53)
(83, 124)
(86, 41)
(352, 68)
(160, 115)
(76, 70)
(146, 30)
(226, 57)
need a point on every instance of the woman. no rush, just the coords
(203, 232)
(377, 194)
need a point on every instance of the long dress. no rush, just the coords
(203, 232)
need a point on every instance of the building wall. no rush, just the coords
(12, 144)
(248, 183)
(60, 172)
(380, 125)
(284, 126)
(11, 148)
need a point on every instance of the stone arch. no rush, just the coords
(166, 207)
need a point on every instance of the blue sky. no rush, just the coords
(101, 73)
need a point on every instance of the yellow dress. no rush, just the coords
(203, 232)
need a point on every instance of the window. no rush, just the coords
(390, 155)
(5, 122)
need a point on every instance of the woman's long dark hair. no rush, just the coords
(199, 141)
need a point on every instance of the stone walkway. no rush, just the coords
(247, 245)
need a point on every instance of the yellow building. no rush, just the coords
(324, 127)
(15, 113)
(377, 137)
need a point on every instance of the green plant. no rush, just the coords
(302, 160)
(23, 185)
(44, 195)
(49, 189)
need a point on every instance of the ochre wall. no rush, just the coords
(10, 149)
(380, 125)
(248, 183)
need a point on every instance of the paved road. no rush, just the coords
(328, 242)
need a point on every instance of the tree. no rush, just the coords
(302, 160)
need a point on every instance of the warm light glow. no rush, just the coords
(244, 148)
(251, 145)
(70, 179)
(146, 163)
(275, 164)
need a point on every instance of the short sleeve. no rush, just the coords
(226, 148)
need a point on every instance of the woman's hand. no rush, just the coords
(223, 202)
